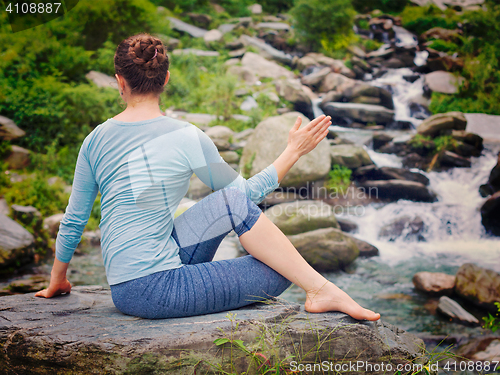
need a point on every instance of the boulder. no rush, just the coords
(18, 158)
(350, 156)
(332, 96)
(51, 224)
(197, 189)
(267, 50)
(441, 33)
(410, 227)
(451, 309)
(357, 51)
(451, 159)
(490, 214)
(383, 96)
(212, 36)
(493, 183)
(366, 249)
(220, 132)
(280, 26)
(318, 59)
(255, 8)
(82, 332)
(101, 79)
(230, 157)
(264, 68)
(237, 53)
(293, 91)
(365, 113)
(394, 190)
(196, 52)
(443, 82)
(184, 27)
(335, 81)
(30, 284)
(380, 139)
(9, 130)
(481, 349)
(445, 62)
(315, 79)
(4, 207)
(479, 285)
(327, 249)
(243, 73)
(346, 225)
(248, 104)
(269, 140)
(16, 244)
(302, 216)
(200, 19)
(372, 172)
(442, 123)
(434, 283)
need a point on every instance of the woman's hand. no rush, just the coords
(55, 288)
(303, 141)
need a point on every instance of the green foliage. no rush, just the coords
(492, 322)
(339, 178)
(247, 168)
(370, 44)
(56, 161)
(275, 6)
(422, 141)
(444, 46)
(420, 19)
(311, 27)
(103, 59)
(386, 6)
(5, 149)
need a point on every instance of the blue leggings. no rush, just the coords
(201, 286)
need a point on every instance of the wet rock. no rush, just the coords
(350, 94)
(380, 139)
(332, 96)
(199, 19)
(443, 82)
(302, 216)
(318, 59)
(268, 141)
(366, 250)
(356, 51)
(337, 82)
(490, 214)
(350, 156)
(51, 224)
(267, 50)
(212, 36)
(365, 113)
(385, 51)
(9, 130)
(493, 184)
(264, 68)
(372, 172)
(410, 228)
(442, 123)
(346, 225)
(481, 349)
(479, 285)
(455, 312)
(293, 91)
(25, 214)
(280, 26)
(326, 249)
(101, 79)
(87, 334)
(16, 243)
(394, 190)
(360, 63)
(18, 158)
(434, 283)
(91, 238)
(393, 63)
(451, 159)
(445, 62)
(184, 27)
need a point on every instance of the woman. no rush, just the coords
(158, 267)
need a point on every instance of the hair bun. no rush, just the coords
(146, 52)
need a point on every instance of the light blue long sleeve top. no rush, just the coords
(142, 170)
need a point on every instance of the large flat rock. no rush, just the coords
(84, 333)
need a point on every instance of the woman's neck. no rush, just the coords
(140, 108)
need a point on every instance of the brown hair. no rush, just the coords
(143, 62)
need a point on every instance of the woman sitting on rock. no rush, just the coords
(141, 162)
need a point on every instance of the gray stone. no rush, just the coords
(200, 19)
(484, 125)
(409, 227)
(443, 82)
(269, 140)
(327, 249)
(197, 189)
(248, 104)
(264, 68)
(51, 224)
(243, 135)
(356, 51)
(442, 123)
(267, 50)
(237, 52)
(350, 156)
(244, 73)
(364, 113)
(273, 26)
(219, 132)
(255, 8)
(314, 80)
(394, 190)
(184, 27)
(4, 207)
(194, 51)
(302, 216)
(434, 283)
(490, 214)
(372, 172)
(318, 59)
(479, 285)
(337, 82)
(451, 159)
(278, 197)
(18, 158)
(453, 310)
(16, 243)
(230, 157)
(484, 348)
(212, 36)
(101, 79)
(82, 332)
(226, 27)
(9, 130)
(235, 44)
(365, 249)
(347, 225)
(293, 91)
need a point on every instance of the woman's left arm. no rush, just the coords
(83, 193)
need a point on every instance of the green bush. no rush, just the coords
(444, 46)
(420, 19)
(317, 31)
(339, 178)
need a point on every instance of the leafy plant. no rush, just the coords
(339, 178)
(492, 322)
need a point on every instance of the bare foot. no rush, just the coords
(331, 298)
